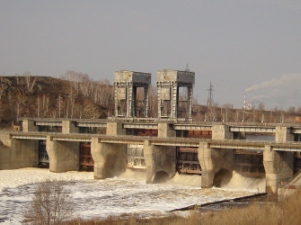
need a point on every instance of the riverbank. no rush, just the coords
(260, 211)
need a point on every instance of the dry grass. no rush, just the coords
(287, 211)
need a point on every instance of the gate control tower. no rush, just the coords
(175, 94)
(131, 93)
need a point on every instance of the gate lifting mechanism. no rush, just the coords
(187, 161)
(135, 156)
(85, 158)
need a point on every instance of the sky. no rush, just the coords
(243, 47)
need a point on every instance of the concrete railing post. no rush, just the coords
(221, 132)
(115, 128)
(68, 127)
(283, 134)
(28, 125)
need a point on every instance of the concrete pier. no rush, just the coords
(278, 167)
(63, 155)
(109, 159)
(23, 153)
(216, 164)
(160, 162)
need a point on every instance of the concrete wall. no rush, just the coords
(29, 126)
(5, 158)
(68, 127)
(278, 167)
(24, 153)
(115, 128)
(16, 154)
(221, 132)
(166, 130)
(283, 134)
(109, 159)
(212, 161)
(160, 161)
(63, 155)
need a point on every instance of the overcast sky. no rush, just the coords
(238, 45)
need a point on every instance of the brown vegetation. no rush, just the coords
(75, 95)
(72, 96)
(286, 211)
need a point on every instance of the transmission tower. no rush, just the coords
(187, 68)
(210, 96)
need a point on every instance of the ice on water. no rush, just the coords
(127, 194)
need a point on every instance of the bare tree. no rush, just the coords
(60, 105)
(30, 81)
(51, 204)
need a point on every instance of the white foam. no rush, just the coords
(239, 181)
(102, 198)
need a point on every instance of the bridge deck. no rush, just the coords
(171, 141)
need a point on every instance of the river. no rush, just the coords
(127, 194)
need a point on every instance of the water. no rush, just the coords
(124, 195)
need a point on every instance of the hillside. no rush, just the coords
(37, 96)
(77, 96)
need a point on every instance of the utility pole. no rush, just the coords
(210, 102)
(210, 96)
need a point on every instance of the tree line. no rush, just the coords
(76, 95)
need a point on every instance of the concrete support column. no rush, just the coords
(221, 132)
(207, 165)
(115, 128)
(109, 159)
(134, 103)
(24, 153)
(166, 130)
(129, 97)
(159, 100)
(63, 155)
(29, 126)
(116, 99)
(283, 134)
(146, 88)
(174, 101)
(278, 167)
(68, 127)
(213, 161)
(190, 98)
(160, 162)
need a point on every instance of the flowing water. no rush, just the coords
(124, 195)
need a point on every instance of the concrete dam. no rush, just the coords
(161, 146)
